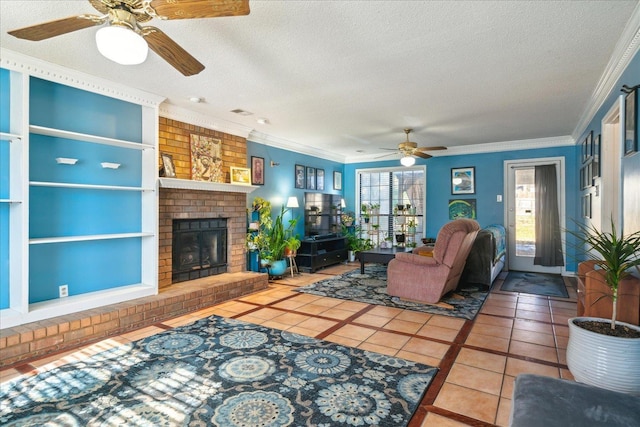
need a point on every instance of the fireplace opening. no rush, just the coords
(199, 248)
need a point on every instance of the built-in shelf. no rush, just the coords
(64, 239)
(9, 136)
(87, 186)
(109, 165)
(41, 130)
(187, 184)
(66, 161)
(10, 201)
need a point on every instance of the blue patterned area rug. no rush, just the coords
(550, 285)
(221, 372)
(371, 288)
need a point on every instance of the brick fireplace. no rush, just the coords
(227, 201)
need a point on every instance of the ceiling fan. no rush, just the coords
(123, 19)
(408, 149)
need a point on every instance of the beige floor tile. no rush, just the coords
(336, 313)
(435, 420)
(566, 374)
(538, 308)
(403, 326)
(416, 316)
(180, 321)
(475, 378)
(377, 348)
(561, 319)
(276, 325)
(371, 320)
(491, 330)
(142, 333)
(303, 331)
(495, 321)
(436, 332)
(533, 337)
(382, 311)
(532, 325)
(352, 306)
(498, 311)
(290, 318)
(490, 343)
(308, 298)
(507, 386)
(472, 403)
(355, 332)
(8, 374)
(533, 315)
(533, 351)
(387, 339)
(447, 322)
(328, 302)
(483, 360)
(419, 358)
(349, 342)
(533, 300)
(516, 367)
(426, 347)
(504, 411)
(290, 304)
(250, 318)
(314, 309)
(562, 342)
(561, 330)
(237, 307)
(267, 313)
(318, 325)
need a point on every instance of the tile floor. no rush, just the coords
(478, 360)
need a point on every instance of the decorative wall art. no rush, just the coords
(463, 180)
(206, 159)
(320, 179)
(257, 170)
(337, 180)
(462, 209)
(311, 178)
(596, 156)
(299, 176)
(631, 123)
(587, 148)
(240, 175)
(168, 169)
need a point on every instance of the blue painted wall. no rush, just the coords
(5, 96)
(279, 180)
(489, 183)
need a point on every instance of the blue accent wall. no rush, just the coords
(489, 169)
(5, 97)
(279, 180)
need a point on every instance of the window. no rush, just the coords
(389, 188)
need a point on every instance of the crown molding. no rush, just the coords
(626, 48)
(491, 147)
(273, 141)
(181, 114)
(30, 66)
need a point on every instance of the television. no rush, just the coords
(321, 215)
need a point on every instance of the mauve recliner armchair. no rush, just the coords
(427, 278)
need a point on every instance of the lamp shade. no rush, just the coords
(407, 161)
(293, 202)
(121, 45)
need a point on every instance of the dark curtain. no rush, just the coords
(548, 238)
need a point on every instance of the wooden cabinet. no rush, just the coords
(594, 296)
(315, 254)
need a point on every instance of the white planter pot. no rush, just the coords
(603, 361)
(352, 256)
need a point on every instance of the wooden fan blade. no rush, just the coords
(171, 51)
(430, 148)
(57, 27)
(421, 154)
(190, 9)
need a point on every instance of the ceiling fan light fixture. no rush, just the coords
(121, 45)
(408, 161)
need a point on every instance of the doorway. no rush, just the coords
(520, 214)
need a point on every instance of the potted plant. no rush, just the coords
(347, 218)
(355, 244)
(603, 352)
(364, 209)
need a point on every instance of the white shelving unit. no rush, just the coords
(22, 70)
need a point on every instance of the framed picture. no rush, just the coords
(240, 175)
(206, 158)
(596, 156)
(299, 176)
(257, 170)
(463, 180)
(311, 178)
(320, 179)
(631, 123)
(462, 209)
(337, 180)
(167, 166)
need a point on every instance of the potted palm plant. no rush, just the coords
(604, 352)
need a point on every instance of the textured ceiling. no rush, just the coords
(346, 77)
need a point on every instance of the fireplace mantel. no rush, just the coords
(188, 184)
